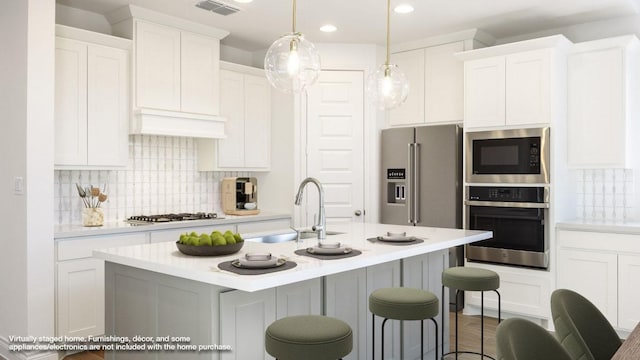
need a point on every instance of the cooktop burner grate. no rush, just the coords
(172, 217)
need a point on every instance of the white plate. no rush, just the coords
(258, 264)
(329, 251)
(397, 238)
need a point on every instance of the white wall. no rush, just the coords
(82, 19)
(235, 55)
(587, 31)
(26, 144)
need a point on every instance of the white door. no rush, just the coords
(335, 156)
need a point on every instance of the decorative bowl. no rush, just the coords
(206, 250)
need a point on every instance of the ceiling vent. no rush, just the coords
(217, 7)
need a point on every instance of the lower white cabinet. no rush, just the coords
(80, 283)
(424, 272)
(628, 291)
(80, 297)
(346, 298)
(245, 316)
(523, 292)
(594, 276)
(604, 268)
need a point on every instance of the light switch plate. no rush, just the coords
(18, 185)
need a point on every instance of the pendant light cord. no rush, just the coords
(388, 30)
(294, 17)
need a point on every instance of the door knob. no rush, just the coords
(358, 213)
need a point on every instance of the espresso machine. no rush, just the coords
(240, 196)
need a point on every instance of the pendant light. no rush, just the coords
(388, 87)
(292, 63)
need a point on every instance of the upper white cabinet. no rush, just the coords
(176, 73)
(515, 84)
(602, 103)
(435, 85)
(91, 99)
(246, 104)
(176, 70)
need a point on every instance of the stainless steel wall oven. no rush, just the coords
(518, 218)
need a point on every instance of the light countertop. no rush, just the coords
(599, 226)
(165, 257)
(74, 230)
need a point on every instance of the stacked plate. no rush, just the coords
(329, 249)
(258, 261)
(396, 237)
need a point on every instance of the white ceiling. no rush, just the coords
(363, 21)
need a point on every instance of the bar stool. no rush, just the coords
(309, 337)
(470, 279)
(403, 303)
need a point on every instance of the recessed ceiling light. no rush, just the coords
(403, 9)
(328, 28)
(243, 1)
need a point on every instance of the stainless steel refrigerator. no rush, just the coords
(422, 179)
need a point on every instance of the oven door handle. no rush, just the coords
(507, 204)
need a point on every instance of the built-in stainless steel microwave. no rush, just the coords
(508, 156)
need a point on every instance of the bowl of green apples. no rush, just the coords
(214, 244)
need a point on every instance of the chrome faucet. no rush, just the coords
(321, 227)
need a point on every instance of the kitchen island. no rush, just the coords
(154, 290)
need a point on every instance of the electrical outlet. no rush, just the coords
(18, 185)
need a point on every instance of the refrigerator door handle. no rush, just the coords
(410, 177)
(416, 186)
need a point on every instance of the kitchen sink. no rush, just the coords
(289, 236)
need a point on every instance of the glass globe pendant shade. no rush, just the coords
(388, 87)
(292, 63)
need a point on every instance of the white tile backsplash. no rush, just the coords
(161, 178)
(604, 194)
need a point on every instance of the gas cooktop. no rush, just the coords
(147, 219)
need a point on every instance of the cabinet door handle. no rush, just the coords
(358, 213)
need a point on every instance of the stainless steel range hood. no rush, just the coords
(171, 123)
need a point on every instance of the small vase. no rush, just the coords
(92, 217)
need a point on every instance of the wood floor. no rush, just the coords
(469, 333)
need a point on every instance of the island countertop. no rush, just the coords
(166, 259)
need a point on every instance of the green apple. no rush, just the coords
(219, 240)
(194, 240)
(238, 237)
(205, 240)
(229, 239)
(184, 238)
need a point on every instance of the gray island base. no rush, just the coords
(192, 310)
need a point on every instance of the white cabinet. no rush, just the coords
(604, 268)
(176, 70)
(523, 292)
(594, 276)
(484, 92)
(80, 290)
(412, 110)
(301, 298)
(435, 85)
(424, 272)
(245, 316)
(174, 234)
(628, 291)
(508, 90)
(246, 105)
(347, 299)
(382, 276)
(91, 103)
(602, 91)
(515, 84)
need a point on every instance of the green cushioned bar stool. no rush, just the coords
(402, 303)
(464, 278)
(309, 337)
